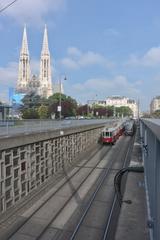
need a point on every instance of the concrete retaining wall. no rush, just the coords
(27, 161)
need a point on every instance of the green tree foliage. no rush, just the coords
(123, 111)
(104, 111)
(156, 114)
(68, 104)
(110, 111)
(31, 101)
(100, 111)
(31, 107)
(83, 110)
(30, 113)
(43, 112)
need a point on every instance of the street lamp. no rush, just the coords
(60, 98)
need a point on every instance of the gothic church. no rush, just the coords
(28, 83)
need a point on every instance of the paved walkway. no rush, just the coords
(132, 223)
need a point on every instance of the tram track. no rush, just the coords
(115, 208)
(46, 187)
(79, 231)
(105, 170)
(104, 152)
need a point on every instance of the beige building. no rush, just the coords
(42, 84)
(119, 101)
(155, 104)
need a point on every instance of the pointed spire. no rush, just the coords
(24, 49)
(45, 67)
(45, 49)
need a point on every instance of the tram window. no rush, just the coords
(107, 134)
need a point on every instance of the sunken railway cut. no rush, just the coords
(60, 184)
(27, 161)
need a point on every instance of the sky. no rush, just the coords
(104, 47)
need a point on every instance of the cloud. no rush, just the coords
(9, 74)
(77, 59)
(31, 11)
(103, 87)
(111, 32)
(69, 63)
(150, 59)
(73, 51)
(8, 78)
(35, 66)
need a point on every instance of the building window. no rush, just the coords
(8, 194)
(23, 166)
(22, 155)
(7, 159)
(1, 205)
(16, 184)
(8, 182)
(15, 152)
(15, 162)
(9, 204)
(8, 171)
(23, 187)
(23, 176)
(2, 171)
(1, 188)
(16, 173)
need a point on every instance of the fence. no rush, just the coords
(8, 128)
(150, 136)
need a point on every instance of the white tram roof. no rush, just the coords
(114, 127)
(108, 129)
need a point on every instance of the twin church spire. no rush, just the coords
(26, 83)
(45, 48)
(24, 49)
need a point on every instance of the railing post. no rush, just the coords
(7, 128)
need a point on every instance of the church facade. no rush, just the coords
(28, 83)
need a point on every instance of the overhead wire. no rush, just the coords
(7, 6)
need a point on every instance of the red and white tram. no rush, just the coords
(110, 135)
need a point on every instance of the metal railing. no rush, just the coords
(150, 139)
(14, 127)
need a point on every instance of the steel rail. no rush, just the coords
(91, 200)
(46, 185)
(65, 204)
(26, 220)
(108, 225)
(51, 184)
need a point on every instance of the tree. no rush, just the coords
(110, 111)
(156, 114)
(34, 106)
(31, 101)
(30, 113)
(100, 111)
(123, 111)
(43, 112)
(68, 104)
(83, 110)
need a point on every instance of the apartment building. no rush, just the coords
(155, 104)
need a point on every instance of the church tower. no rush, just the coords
(45, 68)
(24, 66)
